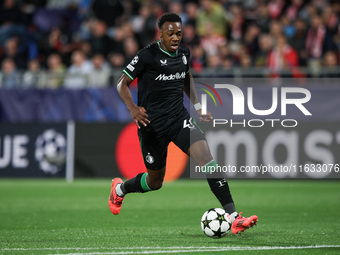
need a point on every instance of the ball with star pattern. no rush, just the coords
(215, 223)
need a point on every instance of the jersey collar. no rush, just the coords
(168, 53)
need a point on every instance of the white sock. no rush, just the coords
(233, 216)
(119, 191)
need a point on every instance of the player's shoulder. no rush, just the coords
(183, 49)
(148, 51)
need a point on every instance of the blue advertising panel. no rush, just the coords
(33, 150)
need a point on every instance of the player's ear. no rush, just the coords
(160, 32)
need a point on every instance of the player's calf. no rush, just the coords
(156, 185)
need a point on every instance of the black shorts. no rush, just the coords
(183, 133)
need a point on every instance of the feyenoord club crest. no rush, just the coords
(184, 59)
(149, 158)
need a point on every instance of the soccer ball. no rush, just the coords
(215, 223)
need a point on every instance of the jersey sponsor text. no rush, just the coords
(177, 76)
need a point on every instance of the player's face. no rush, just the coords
(171, 36)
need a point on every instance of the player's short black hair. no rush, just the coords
(168, 17)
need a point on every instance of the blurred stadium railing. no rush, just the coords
(42, 79)
(87, 132)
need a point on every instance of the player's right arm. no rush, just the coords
(138, 113)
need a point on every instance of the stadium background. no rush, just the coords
(60, 61)
(61, 117)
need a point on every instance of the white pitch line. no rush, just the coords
(161, 250)
(106, 248)
(205, 249)
(46, 249)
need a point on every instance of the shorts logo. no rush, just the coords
(149, 159)
(184, 59)
(130, 67)
(189, 124)
(134, 60)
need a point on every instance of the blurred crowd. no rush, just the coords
(79, 43)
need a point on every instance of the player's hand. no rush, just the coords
(139, 116)
(205, 117)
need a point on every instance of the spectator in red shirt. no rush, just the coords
(283, 57)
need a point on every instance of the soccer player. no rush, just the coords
(162, 69)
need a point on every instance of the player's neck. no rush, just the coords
(174, 54)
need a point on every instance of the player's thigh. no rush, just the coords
(191, 140)
(154, 151)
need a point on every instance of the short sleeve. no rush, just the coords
(136, 66)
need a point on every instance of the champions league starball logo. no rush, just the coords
(50, 151)
(134, 60)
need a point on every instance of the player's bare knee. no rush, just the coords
(205, 160)
(156, 185)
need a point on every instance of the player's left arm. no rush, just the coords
(190, 91)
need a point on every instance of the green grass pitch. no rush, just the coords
(55, 217)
